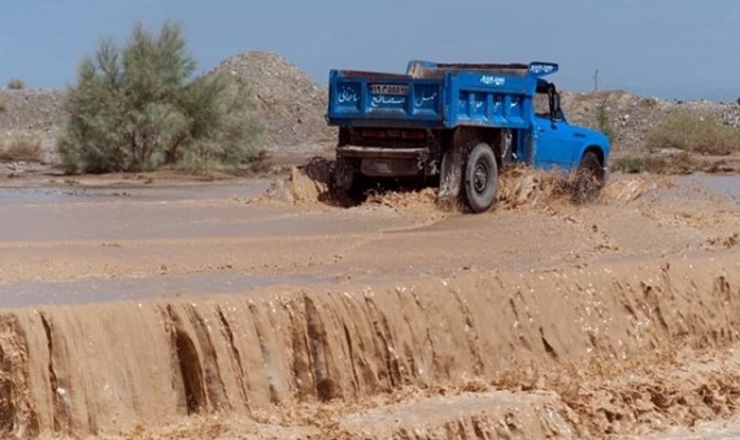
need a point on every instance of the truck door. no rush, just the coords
(555, 142)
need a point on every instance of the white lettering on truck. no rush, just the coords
(490, 80)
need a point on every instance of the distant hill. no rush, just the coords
(292, 106)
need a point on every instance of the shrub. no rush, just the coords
(695, 133)
(21, 148)
(680, 163)
(136, 108)
(16, 84)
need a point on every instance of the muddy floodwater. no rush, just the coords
(260, 308)
(721, 184)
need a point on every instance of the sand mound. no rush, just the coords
(291, 104)
(305, 185)
(297, 188)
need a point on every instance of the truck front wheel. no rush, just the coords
(481, 178)
(589, 179)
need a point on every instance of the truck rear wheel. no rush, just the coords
(344, 175)
(481, 178)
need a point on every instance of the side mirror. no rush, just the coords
(554, 103)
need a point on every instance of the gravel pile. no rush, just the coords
(290, 104)
(33, 113)
(630, 117)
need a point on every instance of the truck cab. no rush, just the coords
(458, 125)
(559, 142)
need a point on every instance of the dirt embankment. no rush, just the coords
(318, 359)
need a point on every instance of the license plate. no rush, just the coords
(389, 89)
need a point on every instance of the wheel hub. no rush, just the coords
(480, 177)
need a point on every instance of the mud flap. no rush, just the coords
(450, 179)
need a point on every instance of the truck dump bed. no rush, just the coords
(433, 95)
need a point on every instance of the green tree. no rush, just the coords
(137, 108)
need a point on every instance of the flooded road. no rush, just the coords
(720, 184)
(215, 310)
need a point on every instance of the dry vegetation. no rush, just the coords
(680, 163)
(702, 134)
(16, 84)
(21, 148)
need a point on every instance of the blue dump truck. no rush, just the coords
(458, 125)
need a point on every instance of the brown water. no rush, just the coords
(199, 311)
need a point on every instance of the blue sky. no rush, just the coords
(681, 49)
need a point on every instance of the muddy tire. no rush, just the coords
(344, 176)
(589, 179)
(481, 178)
